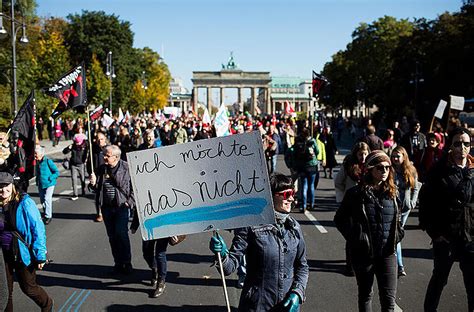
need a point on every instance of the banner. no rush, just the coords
(70, 89)
(206, 185)
(107, 121)
(440, 109)
(97, 112)
(457, 102)
(221, 122)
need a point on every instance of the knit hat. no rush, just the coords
(6, 178)
(375, 158)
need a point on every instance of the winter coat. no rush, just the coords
(31, 228)
(357, 224)
(123, 185)
(276, 264)
(446, 202)
(78, 153)
(407, 196)
(46, 173)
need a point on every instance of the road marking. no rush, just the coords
(315, 222)
(66, 192)
(67, 301)
(82, 301)
(77, 298)
(397, 308)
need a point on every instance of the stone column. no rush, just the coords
(209, 98)
(268, 102)
(253, 104)
(222, 97)
(195, 99)
(239, 99)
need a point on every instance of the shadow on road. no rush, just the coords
(417, 253)
(74, 216)
(161, 307)
(332, 266)
(190, 258)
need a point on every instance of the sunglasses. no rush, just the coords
(382, 168)
(459, 143)
(286, 194)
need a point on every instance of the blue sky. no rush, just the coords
(287, 38)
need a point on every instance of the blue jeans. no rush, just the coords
(272, 160)
(154, 253)
(116, 225)
(46, 198)
(307, 188)
(399, 245)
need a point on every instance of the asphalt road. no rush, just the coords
(78, 279)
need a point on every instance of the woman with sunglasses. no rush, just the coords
(406, 180)
(277, 271)
(369, 219)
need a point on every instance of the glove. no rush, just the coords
(217, 244)
(291, 303)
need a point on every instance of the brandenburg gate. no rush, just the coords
(232, 77)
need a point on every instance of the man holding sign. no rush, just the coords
(277, 270)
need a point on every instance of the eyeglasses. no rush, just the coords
(459, 143)
(382, 168)
(286, 194)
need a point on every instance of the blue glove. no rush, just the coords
(292, 302)
(217, 244)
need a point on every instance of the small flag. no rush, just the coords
(107, 121)
(206, 118)
(221, 122)
(289, 110)
(97, 112)
(319, 81)
(70, 89)
(120, 116)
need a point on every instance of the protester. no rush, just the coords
(374, 142)
(406, 180)
(276, 277)
(305, 162)
(369, 219)
(447, 215)
(414, 143)
(432, 155)
(330, 151)
(114, 194)
(97, 161)
(77, 162)
(58, 132)
(46, 175)
(3, 273)
(271, 142)
(350, 175)
(389, 142)
(23, 241)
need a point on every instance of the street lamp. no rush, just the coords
(144, 82)
(417, 79)
(23, 39)
(110, 72)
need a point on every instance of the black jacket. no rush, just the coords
(446, 201)
(352, 221)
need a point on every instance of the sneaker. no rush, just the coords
(240, 282)
(74, 198)
(160, 289)
(154, 278)
(99, 218)
(47, 221)
(401, 272)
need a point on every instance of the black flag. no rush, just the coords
(319, 81)
(70, 89)
(24, 126)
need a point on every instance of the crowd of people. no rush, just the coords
(379, 183)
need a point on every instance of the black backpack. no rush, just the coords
(304, 151)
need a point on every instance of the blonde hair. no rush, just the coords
(15, 196)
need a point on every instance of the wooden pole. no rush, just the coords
(219, 258)
(431, 125)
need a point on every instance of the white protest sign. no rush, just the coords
(457, 102)
(440, 110)
(205, 185)
(171, 110)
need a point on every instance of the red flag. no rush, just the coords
(70, 89)
(289, 108)
(319, 81)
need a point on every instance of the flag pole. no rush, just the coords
(90, 138)
(221, 269)
(6, 135)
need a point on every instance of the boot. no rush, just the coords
(160, 289)
(154, 278)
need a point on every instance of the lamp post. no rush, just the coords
(23, 39)
(110, 72)
(417, 79)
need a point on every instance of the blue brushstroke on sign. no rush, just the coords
(241, 207)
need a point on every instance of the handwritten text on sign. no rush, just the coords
(219, 183)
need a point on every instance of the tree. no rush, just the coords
(98, 85)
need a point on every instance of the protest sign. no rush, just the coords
(205, 185)
(440, 110)
(457, 102)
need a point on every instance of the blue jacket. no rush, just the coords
(31, 228)
(46, 173)
(276, 264)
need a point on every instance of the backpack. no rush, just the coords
(304, 151)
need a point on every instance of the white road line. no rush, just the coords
(397, 308)
(65, 192)
(315, 222)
